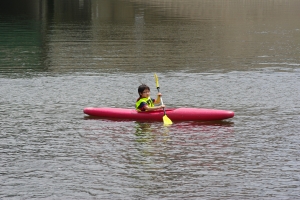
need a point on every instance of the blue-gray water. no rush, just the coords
(57, 57)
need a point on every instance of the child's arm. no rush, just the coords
(147, 108)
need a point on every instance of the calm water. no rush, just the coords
(57, 57)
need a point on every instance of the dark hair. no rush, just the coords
(142, 88)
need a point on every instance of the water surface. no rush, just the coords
(57, 57)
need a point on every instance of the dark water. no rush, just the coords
(57, 57)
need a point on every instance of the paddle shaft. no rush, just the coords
(162, 103)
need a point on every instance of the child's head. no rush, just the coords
(144, 90)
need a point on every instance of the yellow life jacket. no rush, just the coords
(148, 101)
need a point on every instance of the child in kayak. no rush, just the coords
(145, 102)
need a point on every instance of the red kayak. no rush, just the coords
(175, 114)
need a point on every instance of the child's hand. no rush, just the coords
(159, 94)
(162, 106)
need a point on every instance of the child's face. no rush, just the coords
(145, 93)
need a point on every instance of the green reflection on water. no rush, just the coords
(20, 46)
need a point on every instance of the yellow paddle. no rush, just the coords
(166, 119)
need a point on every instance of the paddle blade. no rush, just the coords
(156, 81)
(167, 120)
